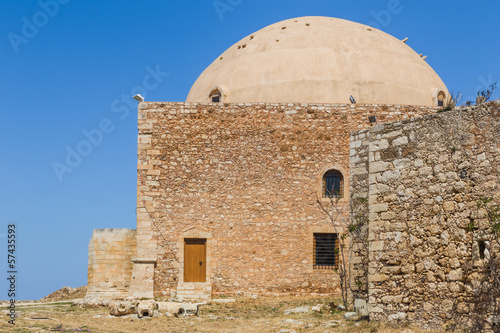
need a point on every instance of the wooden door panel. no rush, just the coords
(195, 260)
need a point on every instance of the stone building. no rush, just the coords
(228, 182)
(427, 252)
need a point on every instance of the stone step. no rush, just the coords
(200, 291)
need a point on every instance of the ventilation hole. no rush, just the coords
(283, 28)
(244, 45)
(369, 29)
(252, 37)
(277, 40)
(220, 58)
(239, 47)
(308, 24)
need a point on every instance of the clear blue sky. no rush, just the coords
(63, 71)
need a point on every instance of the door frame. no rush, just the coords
(196, 232)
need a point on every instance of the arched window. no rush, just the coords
(215, 96)
(441, 98)
(333, 184)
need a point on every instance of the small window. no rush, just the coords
(333, 184)
(215, 96)
(441, 97)
(326, 251)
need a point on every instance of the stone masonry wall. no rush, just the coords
(110, 262)
(358, 206)
(425, 177)
(246, 177)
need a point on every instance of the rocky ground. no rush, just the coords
(263, 314)
(65, 293)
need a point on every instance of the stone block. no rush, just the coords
(377, 246)
(377, 208)
(449, 206)
(377, 278)
(400, 141)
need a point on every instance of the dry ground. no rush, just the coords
(264, 314)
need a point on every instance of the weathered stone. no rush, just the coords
(121, 308)
(400, 141)
(422, 258)
(397, 316)
(146, 308)
(455, 275)
(449, 206)
(317, 308)
(377, 277)
(302, 309)
(352, 316)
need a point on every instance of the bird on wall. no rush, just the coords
(353, 101)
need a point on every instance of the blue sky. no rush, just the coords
(69, 70)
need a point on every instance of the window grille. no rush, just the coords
(333, 184)
(215, 96)
(326, 251)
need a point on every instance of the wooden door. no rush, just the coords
(195, 260)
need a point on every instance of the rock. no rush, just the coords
(190, 309)
(92, 303)
(121, 308)
(292, 322)
(332, 323)
(247, 294)
(317, 308)
(341, 308)
(254, 296)
(303, 309)
(287, 331)
(352, 316)
(146, 308)
(179, 309)
(397, 316)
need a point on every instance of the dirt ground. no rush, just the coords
(264, 314)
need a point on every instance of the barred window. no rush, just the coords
(326, 251)
(333, 184)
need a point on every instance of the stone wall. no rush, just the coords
(424, 179)
(246, 177)
(110, 262)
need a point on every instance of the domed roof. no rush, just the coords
(320, 60)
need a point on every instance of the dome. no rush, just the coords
(319, 60)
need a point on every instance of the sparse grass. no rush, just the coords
(264, 314)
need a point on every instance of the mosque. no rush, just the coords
(230, 182)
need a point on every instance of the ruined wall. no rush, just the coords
(110, 262)
(246, 177)
(425, 177)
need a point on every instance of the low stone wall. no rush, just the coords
(424, 226)
(110, 262)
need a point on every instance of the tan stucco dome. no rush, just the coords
(320, 60)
